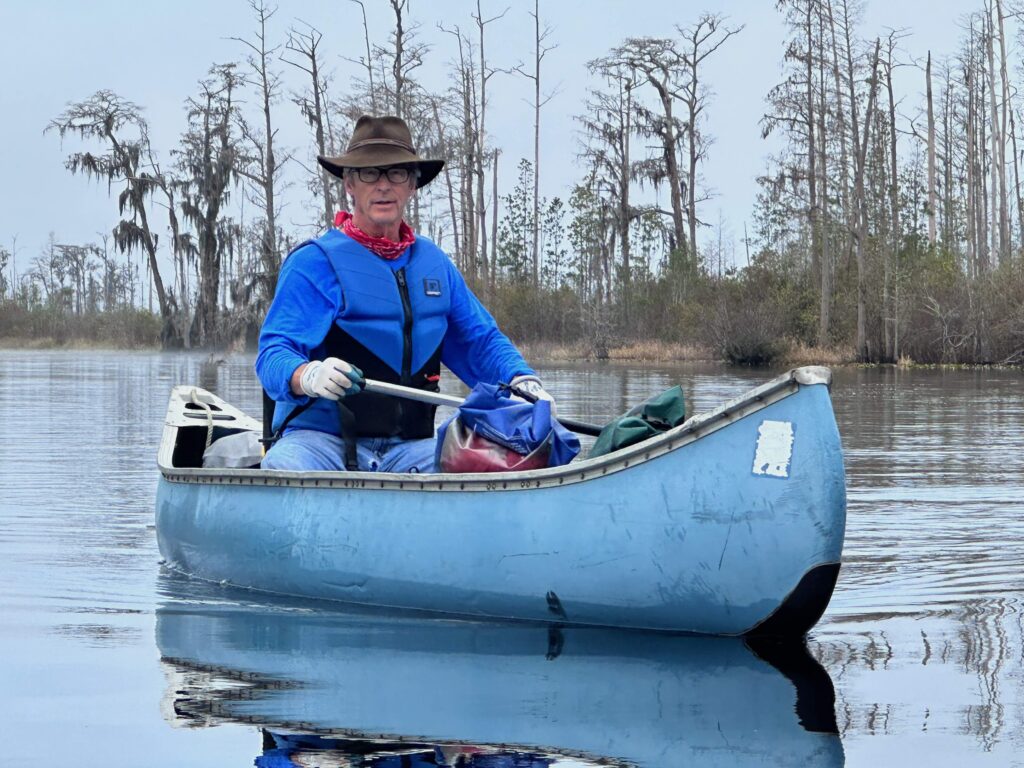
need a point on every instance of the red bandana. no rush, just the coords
(382, 246)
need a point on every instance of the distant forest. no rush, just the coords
(883, 231)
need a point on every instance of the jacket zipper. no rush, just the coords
(403, 290)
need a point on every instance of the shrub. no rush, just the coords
(744, 323)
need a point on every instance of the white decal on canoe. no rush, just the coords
(774, 448)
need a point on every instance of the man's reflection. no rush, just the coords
(306, 751)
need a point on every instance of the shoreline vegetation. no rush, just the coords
(549, 353)
(878, 235)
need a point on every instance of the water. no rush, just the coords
(106, 660)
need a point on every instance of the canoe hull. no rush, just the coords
(698, 539)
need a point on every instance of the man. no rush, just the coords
(371, 298)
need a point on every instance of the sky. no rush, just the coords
(55, 52)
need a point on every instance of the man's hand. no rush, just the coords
(531, 385)
(331, 378)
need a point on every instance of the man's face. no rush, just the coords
(378, 206)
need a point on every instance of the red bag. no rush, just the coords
(466, 451)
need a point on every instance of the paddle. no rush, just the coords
(396, 390)
(436, 398)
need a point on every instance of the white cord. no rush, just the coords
(209, 417)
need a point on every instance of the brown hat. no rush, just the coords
(379, 142)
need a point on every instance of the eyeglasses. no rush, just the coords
(396, 174)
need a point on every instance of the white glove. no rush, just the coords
(531, 385)
(332, 378)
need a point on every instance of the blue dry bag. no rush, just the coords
(493, 433)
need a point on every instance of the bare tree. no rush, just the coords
(12, 254)
(485, 73)
(896, 235)
(539, 51)
(305, 47)
(464, 94)
(367, 63)
(660, 64)
(700, 41)
(393, 88)
(977, 189)
(449, 187)
(608, 126)
(932, 196)
(494, 217)
(997, 135)
(795, 108)
(892, 253)
(260, 164)
(1008, 109)
(863, 353)
(398, 64)
(5, 258)
(209, 162)
(78, 265)
(390, 86)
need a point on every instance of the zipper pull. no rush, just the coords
(401, 277)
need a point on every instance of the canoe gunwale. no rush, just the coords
(693, 429)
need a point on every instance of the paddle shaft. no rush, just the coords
(436, 398)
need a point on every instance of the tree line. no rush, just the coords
(900, 224)
(890, 229)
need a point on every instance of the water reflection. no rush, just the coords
(923, 637)
(283, 750)
(946, 673)
(593, 695)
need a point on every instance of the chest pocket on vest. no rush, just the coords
(430, 298)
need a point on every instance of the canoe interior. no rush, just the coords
(191, 442)
(206, 419)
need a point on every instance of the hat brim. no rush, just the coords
(336, 165)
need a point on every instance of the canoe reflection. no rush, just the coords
(595, 695)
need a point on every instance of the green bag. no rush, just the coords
(652, 417)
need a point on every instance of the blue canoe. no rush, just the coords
(602, 697)
(730, 524)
